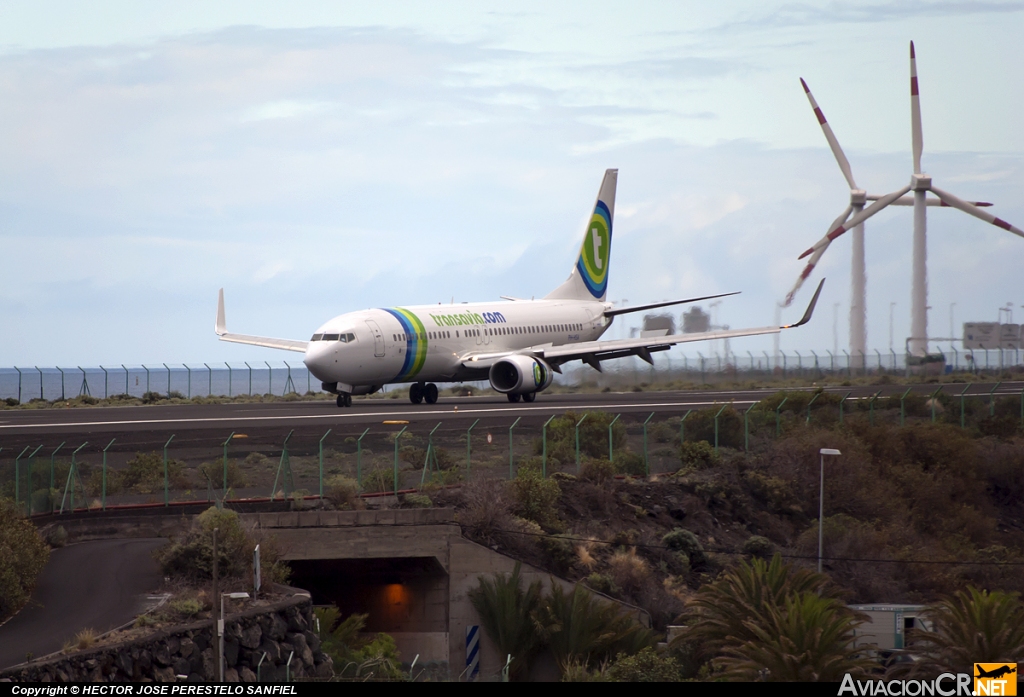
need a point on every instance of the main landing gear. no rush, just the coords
(418, 392)
(528, 397)
(344, 399)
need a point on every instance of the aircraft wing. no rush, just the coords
(593, 352)
(267, 342)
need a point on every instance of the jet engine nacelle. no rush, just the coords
(520, 375)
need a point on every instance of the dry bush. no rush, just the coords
(629, 572)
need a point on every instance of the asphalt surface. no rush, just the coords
(99, 585)
(149, 427)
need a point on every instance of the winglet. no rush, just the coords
(221, 327)
(810, 308)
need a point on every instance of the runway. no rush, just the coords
(28, 425)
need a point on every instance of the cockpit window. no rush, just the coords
(317, 337)
(348, 338)
(330, 337)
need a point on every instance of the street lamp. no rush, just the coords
(821, 500)
(220, 628)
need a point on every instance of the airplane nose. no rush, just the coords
(318, 359)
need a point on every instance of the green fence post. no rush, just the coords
(647, 465)
(209, 373)
(578, 441)
(746, 426)
(611, 453)
(778, 416)
(322, 460)
(103, 500)
(716, 425)
(168, 379)
(17, 478)
(359, 457)
(52, 456)
(903, 412)
(231, 376)
(167, 488)
(544, 441)
(189, 380)
(71, 480)
(469, 447)
(1022, 406)
(963, 420)
(427, 464)
(511, 474)
(682, 427)
(992, 400)
(871, 407)
(842, 404)
(398, 438)
(225, 445)
(270, 379)
(250, 377)
(934, 396)
(816, 395)
(286, 465)
(31, 468)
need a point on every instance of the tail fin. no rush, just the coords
(589, 278)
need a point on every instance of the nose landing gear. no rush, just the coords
(418, 392)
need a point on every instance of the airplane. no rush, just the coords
(517, 345)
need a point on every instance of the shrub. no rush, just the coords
(191, 557)
(558, 552)
(628, 571)
(145, 474)
(646, 666)
(11, 402)
(342, 491)
(593, 436)
(700, 426)
(758, 546)
(627, 462)
(186, 607)
(23, 554)
(535, 497)
(214, 473)
(417, 501)
(602, 583)
(699, 455)
(684, 541)
(597, 471)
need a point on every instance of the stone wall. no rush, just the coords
(275, 630)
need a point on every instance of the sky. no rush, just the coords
(317, 158)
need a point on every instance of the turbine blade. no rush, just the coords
(811, 263)
(833, 143)
(915, 112)
(909, 201)
(857, 219)
(966, 207)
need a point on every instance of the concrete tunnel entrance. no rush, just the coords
(400, 595)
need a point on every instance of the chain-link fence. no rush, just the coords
(54, 473)
(675, 366)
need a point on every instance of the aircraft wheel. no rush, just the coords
(430, 393)
(344, 400)
(513, 398)
(415, 393)
(529, 396)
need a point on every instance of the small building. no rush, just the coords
(888, 624)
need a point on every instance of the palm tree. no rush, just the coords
(806, 639)
(506, 612)
(580, 629)
(972, 626)
(726, 610)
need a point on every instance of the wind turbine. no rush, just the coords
(858, 273)
(920, 184)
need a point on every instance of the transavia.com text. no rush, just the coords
(56, 690)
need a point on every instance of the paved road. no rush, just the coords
(100, 585)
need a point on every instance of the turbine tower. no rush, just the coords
(920, 184)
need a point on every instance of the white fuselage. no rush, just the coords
(427, 343)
